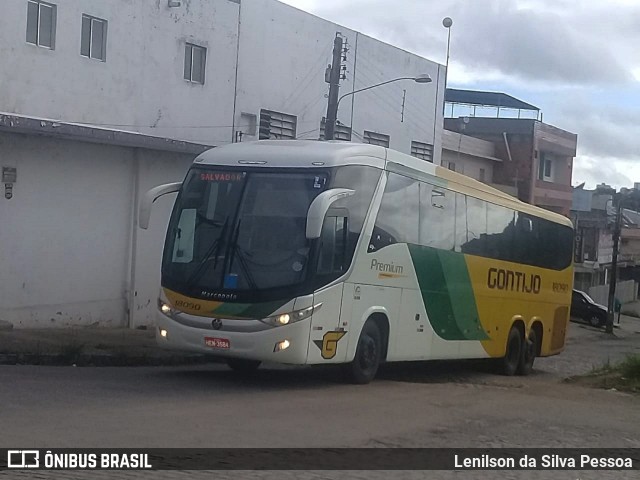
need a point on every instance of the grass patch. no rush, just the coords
(623, 376)
(630, 368)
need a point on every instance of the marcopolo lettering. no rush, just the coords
(502, 279)
(386, 267)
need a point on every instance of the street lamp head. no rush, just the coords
(422, 78)
(447, 22)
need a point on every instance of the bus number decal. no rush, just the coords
(560, 287)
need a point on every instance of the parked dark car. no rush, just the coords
(586, 309)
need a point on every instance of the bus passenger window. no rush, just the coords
(437, 217)
(397, 219)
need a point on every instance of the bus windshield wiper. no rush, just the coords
(213, 250)
(234, 250)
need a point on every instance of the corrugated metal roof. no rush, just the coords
(486, 99)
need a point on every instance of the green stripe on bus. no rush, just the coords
(460, 290)
(249, 310)
(447, 293)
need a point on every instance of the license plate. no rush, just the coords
(214, 342)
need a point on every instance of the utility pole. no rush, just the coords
(614, 264)
(334, 89)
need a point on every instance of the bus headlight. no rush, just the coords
(291, 317)
(164, 307)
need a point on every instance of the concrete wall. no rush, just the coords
(626, 291)
(469, 154)
(70, 252)
(140, 87)
(469, 165)
(68, 235)
(155, 168)
(282, 56)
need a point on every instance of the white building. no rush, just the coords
(202, 73)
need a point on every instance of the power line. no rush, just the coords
(308, 77)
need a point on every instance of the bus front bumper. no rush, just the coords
(285, 344)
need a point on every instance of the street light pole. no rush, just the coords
(446, 23)
(330, 125)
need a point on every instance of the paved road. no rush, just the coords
(436, 404)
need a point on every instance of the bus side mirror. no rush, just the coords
(151, 196)
(319, 207)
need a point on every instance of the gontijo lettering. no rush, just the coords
(513, 281)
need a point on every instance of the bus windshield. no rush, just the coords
(238, 231)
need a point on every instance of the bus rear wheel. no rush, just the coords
(243, 365)
(513, 354)
(365, 365)
(529, 351)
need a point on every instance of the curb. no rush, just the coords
(104, 360)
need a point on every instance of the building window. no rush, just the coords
(195, 58)
(376, 139)
(482, 175)
(277, 125)
(422, 150)
(93, 43)
(340, 132)
(452, 166)
(41, 24)
(545, 168)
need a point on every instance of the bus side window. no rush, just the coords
(476, 243)
(397, 219)
(437, 217)
(500, 232)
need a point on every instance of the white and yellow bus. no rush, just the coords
(303, 252)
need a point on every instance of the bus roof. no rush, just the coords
(313, 153)
(294, 153)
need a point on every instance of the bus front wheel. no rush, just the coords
(365, 365)
(513, 354)
(242, 365)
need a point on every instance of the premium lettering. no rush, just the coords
(386, 267)
(513, 281)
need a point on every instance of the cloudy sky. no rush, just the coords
(577, 60)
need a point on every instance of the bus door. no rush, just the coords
(327, 342)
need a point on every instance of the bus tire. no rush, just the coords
(242, 365)
(513, 353)
(365, 364)
(529, 350)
